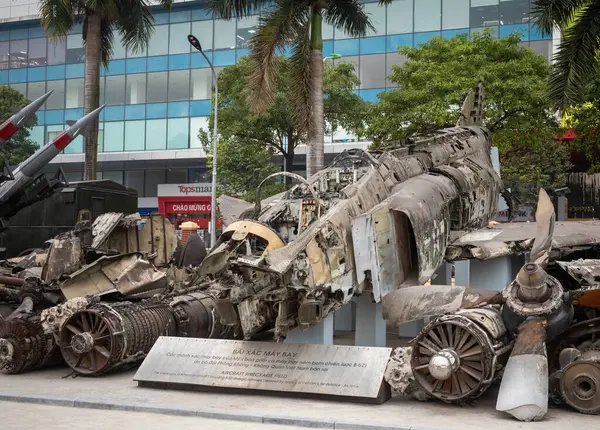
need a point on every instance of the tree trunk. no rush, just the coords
(93, 54)
(315, 137)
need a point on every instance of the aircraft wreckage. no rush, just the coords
(374, 222)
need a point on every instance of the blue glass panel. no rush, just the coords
(522, 29)
(55, 117)
(158, 64)
(224, 58)
(156, 110)
(17, 75)
(178, 134)
(4, 35)
(327, 48)
(425, 37)
(55, 72)
(116, 67)
(41, 117)
(136, 65)
(242, 52)
(75, 147)
(114, 113)
(114, 136)
(198, 60)
(135, 135)
(180, 15)
(179, 62)
(77, 28)
(75, 70)
(346, 47)
(178, 109)
(37, 135)
(449, 34)
(35, 74)
(372, 45)
(200, 14)
(536, 34)
(397, 40)
(156, 134)
(200, 108)
(3, 76)
(36, 31)
(135, 112)
(161, 17)
(19, 33)
(73, 114)
(370, 95)
(287, 52)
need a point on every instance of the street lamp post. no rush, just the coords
(213, 207)
(333, 56)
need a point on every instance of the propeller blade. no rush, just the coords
(524, 388)
(414, 303)
(544, 218)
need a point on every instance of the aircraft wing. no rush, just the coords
(516, 238)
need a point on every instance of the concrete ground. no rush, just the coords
(118, 391)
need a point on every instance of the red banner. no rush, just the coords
(188, 208)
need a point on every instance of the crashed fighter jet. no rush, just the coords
(291, 260)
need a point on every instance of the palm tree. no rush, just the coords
(577, 57)
(297, 23)
(134, 22)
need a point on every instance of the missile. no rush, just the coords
(21, 118)
(27, 170)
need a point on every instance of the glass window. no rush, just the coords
(56, 51)
(543, 47)
(135, 135)
(400, 17)
(113, 136)
(201, 84)
(113, 175)
(197, 175)
(57, 99)
(484, 13)
(75, 49)
(178, 133)
(391, 61)
(372, 75)
(226, 32)
(428, 15)
(52, 131)
(118, 47)
(179, 85)
(178, 42)
(22, 88)
(246, 28)
(136, 89)
(102, 90)
(135, 179)
(75, 91)
(101, 137)
(153, 178)
(74, 176)
(350, 59)
(377, 15)
(157, 87)
(159, 42)
(327, 31)
(4, 55)
(18, 54)
(176, 176)
(195, 125)
(156, 134)
(37, 135)
(37, 52)
(203, 30)
(36, 90)
(115, 90)
(455, 14)
(514, 12)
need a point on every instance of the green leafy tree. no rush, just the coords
(438, 75)
(276, 126)
(19, 147)
(584, 120)
(297, 23)
(577, 55)
(131, 19)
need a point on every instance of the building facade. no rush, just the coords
(157, 100)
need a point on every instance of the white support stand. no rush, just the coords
(344, 319)
(321, 334)
(370, 325)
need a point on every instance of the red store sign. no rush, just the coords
(191, 208)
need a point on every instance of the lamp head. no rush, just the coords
(194, 42)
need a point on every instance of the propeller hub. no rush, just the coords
(82, 343)
(443, 364)
(7, 350)
(532, 283)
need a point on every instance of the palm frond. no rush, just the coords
(348, 15)
(576, 58)
(283, 25)
(58, 16)
(227, 9)
(301, 78)
(135, 24)
(107, 37)
(550, 13)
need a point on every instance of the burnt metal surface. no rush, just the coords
(531, 338)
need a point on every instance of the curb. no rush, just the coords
(217, 414)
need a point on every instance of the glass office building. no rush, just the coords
(157, 100)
